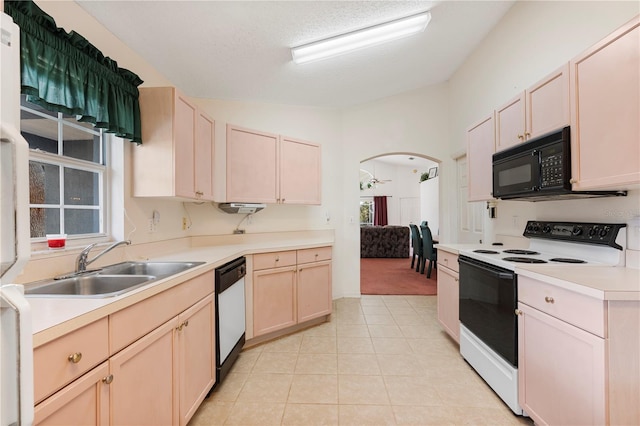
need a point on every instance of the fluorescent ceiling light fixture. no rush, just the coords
(359, 39)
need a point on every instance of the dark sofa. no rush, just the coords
(384, 241)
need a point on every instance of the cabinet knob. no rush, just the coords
(549, 299)
(186, 323)
(456, 279)
(521, 137)
(199, 194)
(518, 312)
(277, 258)
(283, 200)
(572, 180)
(527, 134)
(108, 379)
(75, 358)
(446, 260)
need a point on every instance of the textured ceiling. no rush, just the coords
(239, 50)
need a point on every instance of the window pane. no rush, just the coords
(24, 103)
(80, 144)
(79, 221)
(81, 187)
(41, 133)
(44, 183)
(44, 221)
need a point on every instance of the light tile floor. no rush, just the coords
(381, 360)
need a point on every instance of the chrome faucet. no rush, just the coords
(83, 258)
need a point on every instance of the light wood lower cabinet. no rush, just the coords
(156, 374)
(85, 401)
(448, 294)
(297, 291)
(578, 356)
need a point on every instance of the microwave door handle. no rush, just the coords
(538, 165)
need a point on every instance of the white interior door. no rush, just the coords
(470, 219)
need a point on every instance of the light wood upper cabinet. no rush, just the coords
(269, 168)
(605, 93)
(542, 108)
(176, 156)
(480, 148)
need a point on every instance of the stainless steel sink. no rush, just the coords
(158, 269)
(89, 286)
(112, 280)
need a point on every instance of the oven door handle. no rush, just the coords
(505, 276)
(496, 271)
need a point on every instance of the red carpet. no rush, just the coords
(394, 276)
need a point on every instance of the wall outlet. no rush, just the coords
(151, 225)
(184, 223)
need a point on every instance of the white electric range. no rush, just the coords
(488, 291)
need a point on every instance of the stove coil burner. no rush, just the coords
(524, 259)
(518, 251)
(486, 251)
(567, 260)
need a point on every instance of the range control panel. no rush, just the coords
(578, 232)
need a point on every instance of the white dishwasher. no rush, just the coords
(230, 315)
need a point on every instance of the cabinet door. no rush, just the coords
(252, 172)
(448, 303)
(510, 123)
(204, 156)
(274, 297)
(605, 116)
(184, 138)
(480, 148)
(196, 336)
(314, 290)
(561, 371)
(144, 388)
(83, 402)
(300, 172)
(547, 104)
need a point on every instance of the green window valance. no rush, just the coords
(63, 72)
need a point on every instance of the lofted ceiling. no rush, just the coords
(239, 50)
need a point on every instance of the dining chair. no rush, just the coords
(429, 253)
(416, 243)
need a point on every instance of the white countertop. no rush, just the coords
(54, 317)
(601, 282)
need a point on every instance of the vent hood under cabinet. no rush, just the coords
(242, 208)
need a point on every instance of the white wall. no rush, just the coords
(430, 205)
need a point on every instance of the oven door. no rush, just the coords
(516, 175)
(488, 299)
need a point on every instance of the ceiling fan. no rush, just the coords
(368, 179)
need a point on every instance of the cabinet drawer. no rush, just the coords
(63, 360)
(314, 254)
(447, 259)
(130, 324)
(582, 311)
(274, 260)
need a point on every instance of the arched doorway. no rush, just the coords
(409, 184)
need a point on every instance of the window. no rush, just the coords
(366, 212)
(67, 169)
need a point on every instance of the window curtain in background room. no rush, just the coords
(63, 72)
(380, 210)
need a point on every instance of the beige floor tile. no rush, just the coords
(391, 345)
(350, 318)
(276, 362)
(396, 300)
(256, 413)
(359, 389)
(482, 416)
(317, 364)
(420, 331)
(369, 300)
(375, 310)
(366, 364)
(230, 388)
(471, 395)
(401, 365)
(245, 362)
(366, 415)
(425, 416)
(384, 319)
(310, 415)
(422, 301)
(326, 329)
(289, 343)
(314, 389)
(391, 330)
(409, 319)
(318, 345)
(355, 345)
(403, 309)
(411, 390)
(352, 330)
(266, 388)
(211, 413)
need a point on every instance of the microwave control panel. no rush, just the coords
(552, 167)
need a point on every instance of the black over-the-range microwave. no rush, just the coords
(538, 170)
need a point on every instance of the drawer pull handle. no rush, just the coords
(518, 312)
(75, 358)
(186, 323)
(277, 258)
(456, 279)
(107, 380)
(549, 299)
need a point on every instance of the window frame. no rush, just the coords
(367, 200)
(101, 168)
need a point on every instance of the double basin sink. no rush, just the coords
(112, 280)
